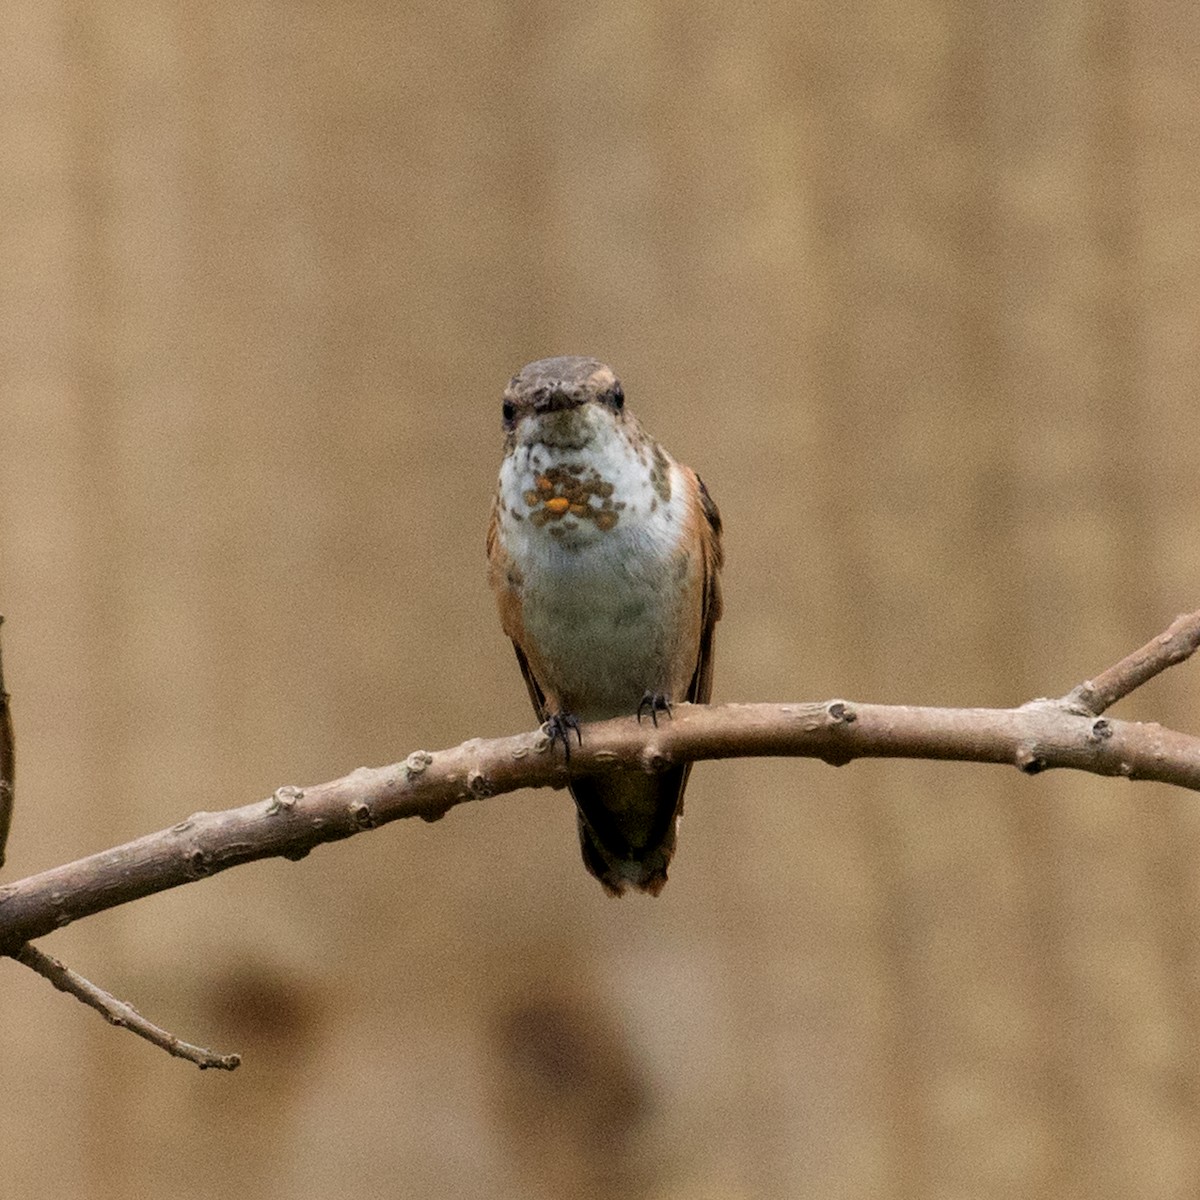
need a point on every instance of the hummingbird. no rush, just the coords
(604, 554)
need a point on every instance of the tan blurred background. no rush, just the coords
(915, 286)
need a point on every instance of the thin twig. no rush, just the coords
(117, 1012)
(1176, 645)
(1033, 738)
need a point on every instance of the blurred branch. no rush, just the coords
(1033, 738)
(8, 763)
(117, 1012)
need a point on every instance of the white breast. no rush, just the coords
(601, 589)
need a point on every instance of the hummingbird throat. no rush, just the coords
(567, 488)
(571, 491)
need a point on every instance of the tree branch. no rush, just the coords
(1034, 737)
(117, 1012)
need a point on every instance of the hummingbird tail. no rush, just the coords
(627, 828)
(647, 874)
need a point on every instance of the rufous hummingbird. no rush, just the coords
(604, 554)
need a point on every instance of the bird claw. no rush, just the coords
(558, 729)
(656, 702)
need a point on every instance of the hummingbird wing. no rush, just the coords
(714, 559)
(535, 693)
(495, 571)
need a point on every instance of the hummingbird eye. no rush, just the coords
(509, 412)
(617, 397)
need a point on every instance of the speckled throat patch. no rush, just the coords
(573, 491)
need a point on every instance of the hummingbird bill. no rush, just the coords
(604, 554)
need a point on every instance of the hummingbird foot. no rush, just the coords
(558, 728)
(657, 703)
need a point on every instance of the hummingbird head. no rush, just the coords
(563, 402)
